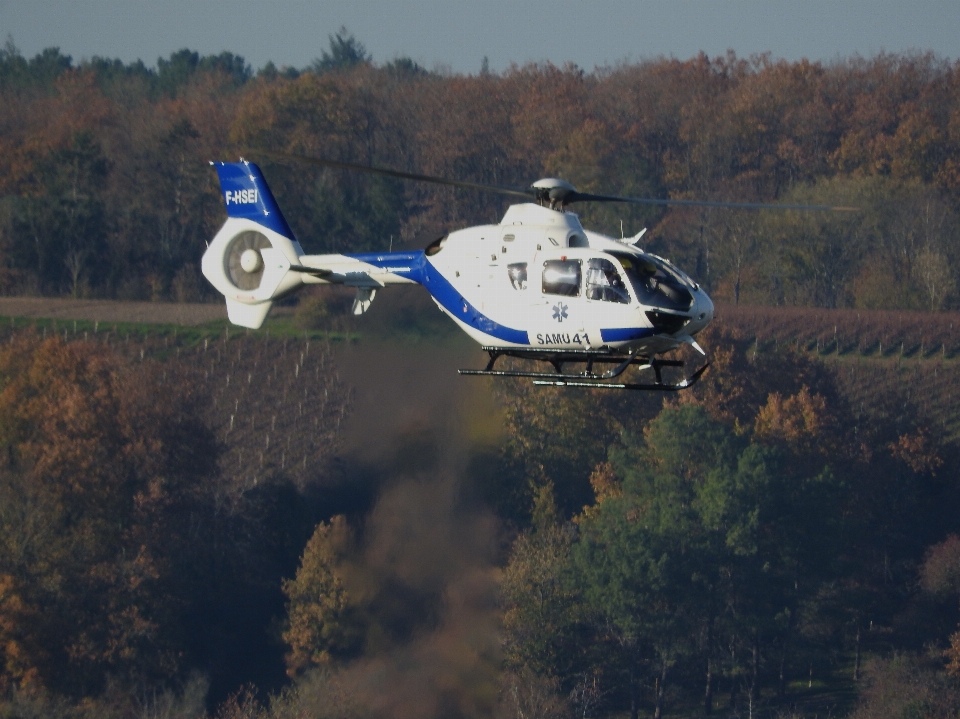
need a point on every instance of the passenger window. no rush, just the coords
(518, 275)
(604, 282)
(561, 277)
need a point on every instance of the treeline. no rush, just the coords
(106, 190)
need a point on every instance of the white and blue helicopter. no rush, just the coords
(536, 286)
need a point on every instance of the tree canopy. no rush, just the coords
(106, 191)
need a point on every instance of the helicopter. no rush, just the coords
(535, 286)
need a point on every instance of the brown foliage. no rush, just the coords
(325, 623)
(952, 655)
(741, 375)
(605, 485)
(907, 686)
(725, 127)
(917, 452)
(801, 421)
(940, 572)
(242, 704)
(97, 466)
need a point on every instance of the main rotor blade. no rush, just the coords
(513, 191)
(527, 193)
(587, 197)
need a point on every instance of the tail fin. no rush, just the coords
(250, 258)
(246, 195)
(251, 316)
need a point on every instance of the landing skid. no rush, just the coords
(589, 377)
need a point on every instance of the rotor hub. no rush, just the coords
(251, 260)
(553, 192)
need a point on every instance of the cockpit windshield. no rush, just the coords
(655, 282)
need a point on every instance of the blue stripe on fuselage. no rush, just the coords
(415, 266)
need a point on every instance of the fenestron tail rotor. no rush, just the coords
(242, 260)
(550, 192)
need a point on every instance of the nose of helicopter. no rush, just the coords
(702, 312)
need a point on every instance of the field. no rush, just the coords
(277, 400)
(894, 365)
(861, 333)
(112, 311)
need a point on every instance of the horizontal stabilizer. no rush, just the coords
(251, 316)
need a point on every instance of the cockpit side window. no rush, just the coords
(603, 282)
(655, 283)
(518, 275)
(561, 277)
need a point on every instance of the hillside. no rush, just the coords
(886, 362)
(447, 482)
(889, 364)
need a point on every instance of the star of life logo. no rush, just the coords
(559, 312)
(241, 197)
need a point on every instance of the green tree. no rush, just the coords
(345, 52)
(714, 542)
(176, 72)
(544, 618)
(60, 226)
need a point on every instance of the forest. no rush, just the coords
(321, 519)
(105, 189)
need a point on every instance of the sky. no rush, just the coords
(455, 36)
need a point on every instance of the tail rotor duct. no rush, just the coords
(243, 261)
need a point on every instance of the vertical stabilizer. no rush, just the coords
(246, 195)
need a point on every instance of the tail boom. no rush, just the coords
(255, 257)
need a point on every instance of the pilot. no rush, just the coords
(613, 277)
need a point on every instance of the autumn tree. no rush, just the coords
(907, 684)
(721, 128)
(99, 475)
(325, 619)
